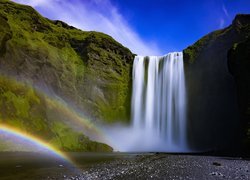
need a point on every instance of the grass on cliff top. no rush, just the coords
(192, 51)
(41, 38)
(26, 21)
(52, 39)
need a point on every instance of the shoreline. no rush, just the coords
(26, 165)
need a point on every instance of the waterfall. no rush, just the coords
(159, 101)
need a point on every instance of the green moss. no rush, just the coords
(235, 46)
(240, 26)
(24, 108)
(65, 137)
(90, 69)
(191, 53)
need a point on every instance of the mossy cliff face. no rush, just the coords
(30, 111)
(213, 111)
(89, 69)
(239, 66)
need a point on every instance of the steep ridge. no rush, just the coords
(213, 111)
(239, 66)
(89, 69)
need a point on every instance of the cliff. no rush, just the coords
(89, 70)
(31, 111)
(213, 111)
(239, 66)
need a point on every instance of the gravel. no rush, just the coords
(172, 167)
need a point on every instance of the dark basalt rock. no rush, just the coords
(239, 66)
(213, 111)
(241, 21)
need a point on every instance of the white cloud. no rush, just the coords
(32, 3)
(225, 10)
(225, 17)
(95, 15)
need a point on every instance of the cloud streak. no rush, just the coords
(224, 17)
(95, 15)
(225, 11)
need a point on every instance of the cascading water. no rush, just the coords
(159, 102)
(158, 107)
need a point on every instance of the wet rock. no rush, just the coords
(216, 164)
(216, 174)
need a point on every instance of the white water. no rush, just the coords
(158, 106)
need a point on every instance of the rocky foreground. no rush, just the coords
(29, 166)
(164, 166)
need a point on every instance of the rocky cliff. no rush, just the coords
(29, 110)
(213, 110)
(89, 70)
(239, 66)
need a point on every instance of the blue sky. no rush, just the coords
(147, 27)
(176, 24)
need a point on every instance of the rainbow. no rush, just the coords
(75, 118)
(33, 140)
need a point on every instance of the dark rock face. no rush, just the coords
(239, 66)
(213, 111)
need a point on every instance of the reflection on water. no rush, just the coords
(30, 165)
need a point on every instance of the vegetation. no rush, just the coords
(211, 88)
(191, 53)
(89, 69)
(25, 108)
(240, 26)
